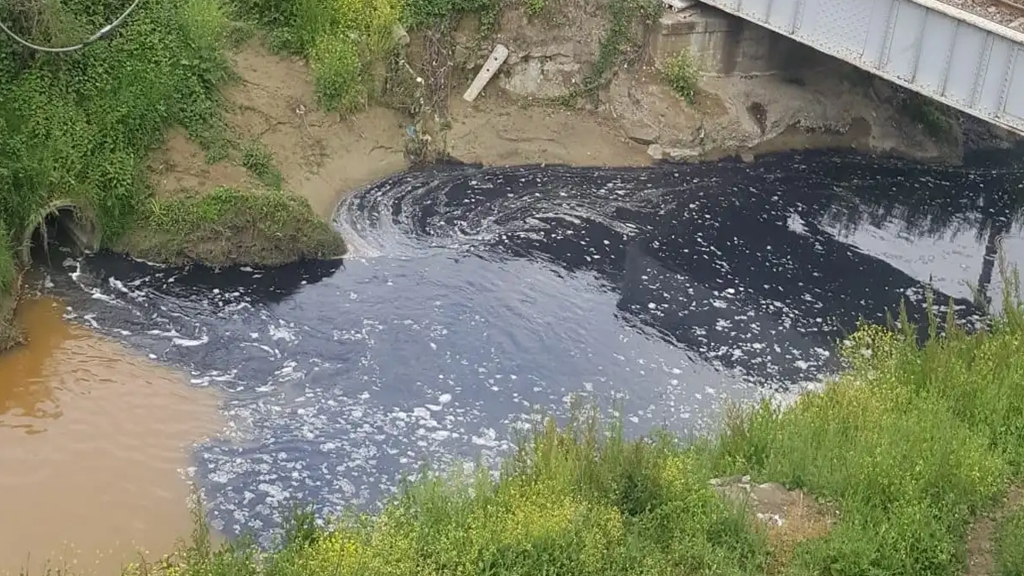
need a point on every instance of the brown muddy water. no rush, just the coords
(92, 443)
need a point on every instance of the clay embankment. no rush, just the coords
(751, 99)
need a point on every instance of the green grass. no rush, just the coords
(1010, 545)
(260, 163)
(907, 446)
(227, 226)
(682, 76)
(8, 270)
(79, 126)
(349, 42)
(345, 41)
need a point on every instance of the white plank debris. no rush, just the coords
(494, 61)
(679, 5)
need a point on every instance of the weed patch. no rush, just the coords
(347, 42)
(911, 444)
(927, 113)
(571, 501)
(260, 163)
(534, 7)
(8, 270)
(682, 76)
(620, 44)
(9, 332)
(228, 226)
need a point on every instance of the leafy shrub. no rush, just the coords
(78, 126)
(337, 73)
(682, 76)
(346, 42)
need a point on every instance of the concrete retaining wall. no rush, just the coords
(723, 44)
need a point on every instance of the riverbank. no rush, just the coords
(909, 462)
(268, 113)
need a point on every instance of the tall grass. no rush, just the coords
(910, 444)
(346, 42)
(572, 501)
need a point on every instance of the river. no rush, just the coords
(478, 298)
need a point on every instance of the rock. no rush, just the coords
(683, 154)
(747, 156)
(659, 152)
(542, 77)
(642, 133)
(776, 506)
(547, 71)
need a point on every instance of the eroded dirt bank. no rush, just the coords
(533, 112)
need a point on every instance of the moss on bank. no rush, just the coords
(227, 226)
(907, 447)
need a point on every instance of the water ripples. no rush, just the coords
(478, 298)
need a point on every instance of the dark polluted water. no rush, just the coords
(478, 298)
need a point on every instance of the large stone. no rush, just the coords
(659, 152)
(776, 506)
(547, 71)
(642, 133)
(684, 154)
(542, 77)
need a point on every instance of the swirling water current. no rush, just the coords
(476, 298)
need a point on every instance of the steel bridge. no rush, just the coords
(944, 53)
